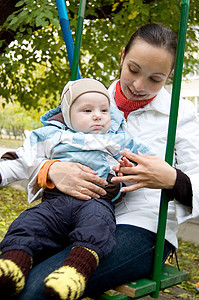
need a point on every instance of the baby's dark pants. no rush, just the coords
(61, 220)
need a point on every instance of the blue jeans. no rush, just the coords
(130, 259)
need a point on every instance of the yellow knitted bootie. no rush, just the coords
(14, 268)
(69, 281)
(65, 283)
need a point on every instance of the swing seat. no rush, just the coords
(170, 276)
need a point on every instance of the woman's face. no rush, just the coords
(144, 70)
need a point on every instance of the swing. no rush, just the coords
(163, 276)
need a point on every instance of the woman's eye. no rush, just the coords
(155, 80)
(132, 71)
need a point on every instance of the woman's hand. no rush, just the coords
(149, 172)
(76, 180)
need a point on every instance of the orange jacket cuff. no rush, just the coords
(43, 180)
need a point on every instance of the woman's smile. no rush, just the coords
(134, 95)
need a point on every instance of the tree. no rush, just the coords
(33, 57)
(14, 119)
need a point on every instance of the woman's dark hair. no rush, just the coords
(157, 35)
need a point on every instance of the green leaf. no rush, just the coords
(20, 3)
(15, 20)
(55, 22)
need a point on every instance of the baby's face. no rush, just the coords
(90, 113)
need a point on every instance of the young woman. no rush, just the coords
(146, 63)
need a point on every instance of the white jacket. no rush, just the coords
(150, 124)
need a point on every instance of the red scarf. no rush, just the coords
(126, 105)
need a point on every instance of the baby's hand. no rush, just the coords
(123, 162)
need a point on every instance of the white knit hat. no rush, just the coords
(74, 89)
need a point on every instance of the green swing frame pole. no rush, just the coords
(78, 39)
(170, 141)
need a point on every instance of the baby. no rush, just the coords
(89, 133)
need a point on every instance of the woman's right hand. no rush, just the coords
(76, 180)
(148, 172)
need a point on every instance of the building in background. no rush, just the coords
(190, 90)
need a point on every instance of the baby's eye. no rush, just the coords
(87, 110)
(104, 110)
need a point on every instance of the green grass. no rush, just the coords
(13, 202)
(188, 257)
(10, 143)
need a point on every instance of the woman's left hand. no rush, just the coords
(149, 172)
